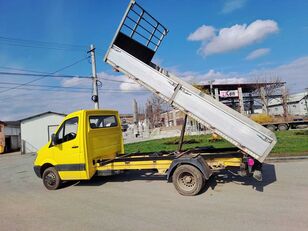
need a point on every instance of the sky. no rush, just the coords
(228, 41)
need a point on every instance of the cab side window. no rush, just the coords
(68, 130)
(105, 121)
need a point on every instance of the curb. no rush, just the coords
(285, 159)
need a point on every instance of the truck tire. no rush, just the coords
(188, 180)
(51, 178)
(283, 127)
(271, 127)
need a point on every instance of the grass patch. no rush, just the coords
(187, 140)
(290, 143)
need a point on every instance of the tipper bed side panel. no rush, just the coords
(135, 43)
(249, 136)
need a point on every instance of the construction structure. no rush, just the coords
(246, 98)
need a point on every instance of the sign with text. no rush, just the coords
(226, 94)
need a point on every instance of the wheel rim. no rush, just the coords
(50, 179)
(186, 181)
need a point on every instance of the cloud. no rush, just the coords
(237, 36)
(232, 5)
(294, 73)
(123, 83)
(202, 33)
(130, 85)
(258, 53)
(230, 80)
(73, 82)
(219, 77)
(21, 103)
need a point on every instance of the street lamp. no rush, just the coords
(211, 86)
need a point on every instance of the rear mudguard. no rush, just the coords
(197, 161)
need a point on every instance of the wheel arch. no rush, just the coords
(44, 167)
(197, 162)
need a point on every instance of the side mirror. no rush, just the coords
(54, 139)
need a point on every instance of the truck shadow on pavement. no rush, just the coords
(269, 177)
(147, 176)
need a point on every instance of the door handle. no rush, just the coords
(75, 147)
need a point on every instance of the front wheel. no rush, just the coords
(188, 180)
(51, 178)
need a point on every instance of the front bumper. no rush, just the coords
(37, 170)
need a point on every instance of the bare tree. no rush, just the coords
(154, 107)
(268, 87)
(284, 98)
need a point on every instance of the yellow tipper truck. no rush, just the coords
(89, 142)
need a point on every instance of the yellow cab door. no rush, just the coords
(67, 150)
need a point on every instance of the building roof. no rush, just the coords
(12, 123)
(41, 114)
(246, 87)
(294, 98)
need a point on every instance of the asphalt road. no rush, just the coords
(138, 202)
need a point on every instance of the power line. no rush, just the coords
(64, 87)
(40, 44)
(55, 88)
(56, 76)
(40, 47)
(24, 70)
(117, 81)
(48, 89)
(48, 86)
(44, 76)
(105, 91)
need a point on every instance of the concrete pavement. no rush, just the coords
(137, 201)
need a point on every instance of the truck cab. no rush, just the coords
(81, 139)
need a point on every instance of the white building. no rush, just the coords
(297, 105)
(37, 130)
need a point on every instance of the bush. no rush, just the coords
(305, 133)
(261, 118)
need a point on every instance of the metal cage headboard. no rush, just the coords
(142, 27)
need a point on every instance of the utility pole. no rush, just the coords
(94, 77)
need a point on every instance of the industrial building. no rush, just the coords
(297, 105)
(37, 130)
(9, 136)
(12, 135)
(2, 140)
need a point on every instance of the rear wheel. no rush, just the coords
(188, 180)
(51, 178)
(283, 127)
(271, 127)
